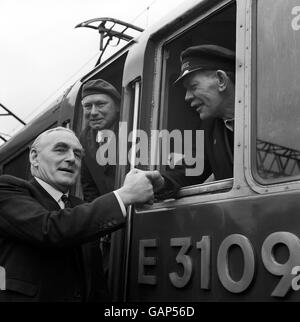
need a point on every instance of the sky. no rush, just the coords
(42, 53)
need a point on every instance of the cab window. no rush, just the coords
(217, 28)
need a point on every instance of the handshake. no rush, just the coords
(139, 187)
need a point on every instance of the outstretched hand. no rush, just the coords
(156, 179)
(139, 187)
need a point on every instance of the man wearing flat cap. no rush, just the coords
(208, 75)
(101, 105)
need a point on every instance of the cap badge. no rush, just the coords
(185, 66)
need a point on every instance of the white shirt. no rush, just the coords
(56, 195)
(108, 134)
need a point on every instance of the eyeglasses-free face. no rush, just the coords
(100, 110)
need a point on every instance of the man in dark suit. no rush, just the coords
(47, 236)
(101, 106)
(208, 74)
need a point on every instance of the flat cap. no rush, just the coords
(206, 57)
(99, 86)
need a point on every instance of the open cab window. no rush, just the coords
(182, 123)
(98, 178)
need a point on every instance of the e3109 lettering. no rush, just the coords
(284, 270)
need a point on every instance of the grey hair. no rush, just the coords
(230, 74)
(38, 139)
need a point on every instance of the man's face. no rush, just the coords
(57, 159)
(203, 95)
(100, 110)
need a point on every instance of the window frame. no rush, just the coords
(256, 186)
(270, 183)
(159, 98)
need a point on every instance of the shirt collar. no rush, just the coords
(229, 123)
(99, 135)
(102, 133)
(54, 193)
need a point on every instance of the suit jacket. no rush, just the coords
(96, 180)
(218, 159)
(50, 254)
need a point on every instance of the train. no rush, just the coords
(235, 239)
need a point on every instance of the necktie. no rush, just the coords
(65, 199)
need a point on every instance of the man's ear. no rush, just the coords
(33, 157)
(223, 80)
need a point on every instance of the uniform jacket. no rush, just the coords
(218, 158)
(50, 254)
(96, 180)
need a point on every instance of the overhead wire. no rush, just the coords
(80, 69)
